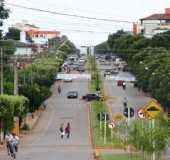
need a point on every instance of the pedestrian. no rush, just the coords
(44, 105)
(124, 85)
(68, 130)
(59, 89)
(62, 130)
(125, 102)
(15, 141)
(8, 137)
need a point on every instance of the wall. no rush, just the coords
(23, 51)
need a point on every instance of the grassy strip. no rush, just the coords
(98, 133)
(96, 107)
(121, 156)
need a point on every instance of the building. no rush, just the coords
(23, 49)
(153, 24)
(42, 37)
(25, 26)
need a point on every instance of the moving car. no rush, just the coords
(91, 97)
(107, 72)
(72, 94)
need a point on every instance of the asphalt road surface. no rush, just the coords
(45, 143)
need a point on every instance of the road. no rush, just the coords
(45, 143)
(135, 99)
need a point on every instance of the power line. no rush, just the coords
(69, 15)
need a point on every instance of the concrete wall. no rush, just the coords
(23, 51)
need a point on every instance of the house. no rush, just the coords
(153, 24)
(41, 37)
(23, 48)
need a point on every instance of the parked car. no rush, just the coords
(67, 80)
(91, 97)
(72, 94)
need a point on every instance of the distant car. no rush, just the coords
(72, 94)
(107, 73)
(91, 97)
(114, 72)
(80, 69)
(67, 80)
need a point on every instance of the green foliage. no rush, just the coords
(14, 34)
(12, 106)
(4, 14)
(148, 138)
(25, 127)
(8, 46)
(101, 48)
(148, 59)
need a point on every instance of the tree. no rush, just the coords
(142, 136)
(8, 46)
(14, 34)
(11, 106)
(4, 14)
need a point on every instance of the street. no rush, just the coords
(45, 142)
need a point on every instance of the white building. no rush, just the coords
(41, 37)
(153, 24)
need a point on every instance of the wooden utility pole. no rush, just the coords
(2, 85)
(1, 122)
(15, 77)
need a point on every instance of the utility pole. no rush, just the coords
(2, 85)
(1, 122)
(15, 77)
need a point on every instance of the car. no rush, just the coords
(72, 94)
(114, 71)
(80, 69)
(67, 80)
(107, 72)
(91, 97)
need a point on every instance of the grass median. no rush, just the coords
(98, 129)
(121, 156)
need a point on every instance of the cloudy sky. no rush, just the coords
(84, 31)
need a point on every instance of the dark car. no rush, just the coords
(81, 69)
(91, 97)
(72, 94)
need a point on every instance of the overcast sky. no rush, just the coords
(128, 10)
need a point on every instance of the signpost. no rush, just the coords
(128, 112)
(141, 113)
(152, 109)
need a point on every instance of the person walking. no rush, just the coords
(8, 137)
(68, 130)
(59, 89)
(15, 141)
(62, 130)
(125, 101)
(124, 85)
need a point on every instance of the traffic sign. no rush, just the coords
(141, 113)
(152, 109)
(125, 112)
(111, 125)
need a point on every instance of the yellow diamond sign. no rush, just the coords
(152, 109)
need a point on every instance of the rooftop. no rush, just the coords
(32, 32)
(157, 17)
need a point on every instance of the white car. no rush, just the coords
(67, 80)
